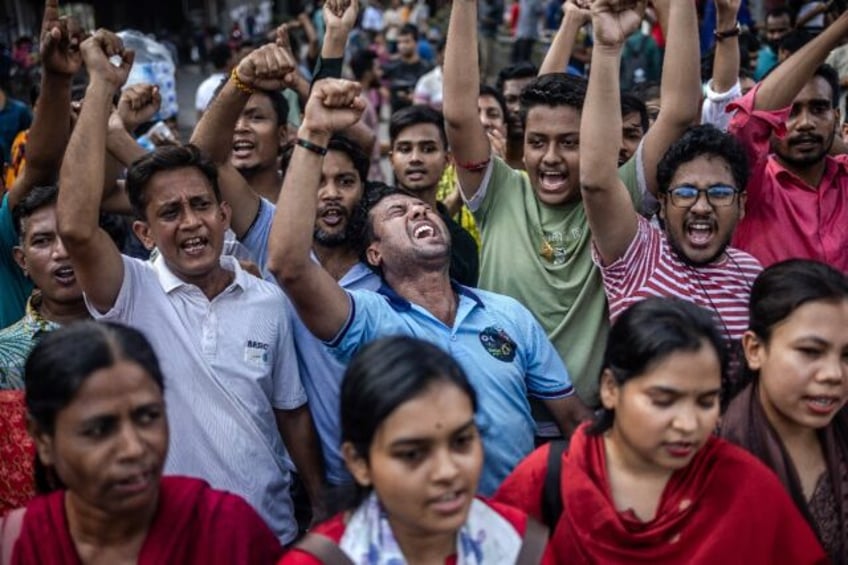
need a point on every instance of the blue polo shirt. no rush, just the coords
(500, 345)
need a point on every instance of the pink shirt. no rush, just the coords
(650, 267)
(785, 218)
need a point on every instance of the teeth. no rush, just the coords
(822, 401)
(423, 231)
(448, 497)
(242, 145)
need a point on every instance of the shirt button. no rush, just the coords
(453, 338)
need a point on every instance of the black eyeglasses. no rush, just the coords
(718, 195)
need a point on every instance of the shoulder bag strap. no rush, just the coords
(534, 543)
(324, 549)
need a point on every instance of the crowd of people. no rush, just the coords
(593, 319)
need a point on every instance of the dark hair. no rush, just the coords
(649, 332)
(38, 198)
(698, 141)
(361, 161)
(362, 62)
(784, 287)
(488, 90)
(831, 76)
(414, 115)
(362, 229)
(219, 55)
(631, 104)
(61, 362)
(166, 158)
(779, 12)
(795, 40)
(409, 29)
(554, 89)
(516, 71)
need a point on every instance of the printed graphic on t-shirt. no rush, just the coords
(498, 344)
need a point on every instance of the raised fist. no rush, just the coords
(98, 52)
(271, 67)
(333, 105)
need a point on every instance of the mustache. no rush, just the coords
(806, 138)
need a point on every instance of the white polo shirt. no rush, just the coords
(228, 363)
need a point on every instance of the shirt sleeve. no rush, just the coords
(367, 321)
(754, 128)
(256, 238)
(714, 110)
(632, 174)
(288, 392)
(626, 275)
(545, 373)
(497, 175)
(135, 272)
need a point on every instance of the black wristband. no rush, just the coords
(317, 149)
(734, 32)
(327, 68)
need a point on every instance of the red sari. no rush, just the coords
(724, 507)
(193, 524)
(17, 452)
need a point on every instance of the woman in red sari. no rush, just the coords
(793, 416)
(647, 482)
(94, 397)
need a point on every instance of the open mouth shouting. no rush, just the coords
(194, 245)
(424, 230)
(553, 181)
(332, 216)
(243, 148)
(64, 275)
(700, 232)
(415, 174)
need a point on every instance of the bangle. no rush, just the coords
(315, 148)
(475, 167)
(238, 83)
(734, 32)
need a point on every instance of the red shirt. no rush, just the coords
(784, 217)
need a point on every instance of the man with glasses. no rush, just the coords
(700, 181)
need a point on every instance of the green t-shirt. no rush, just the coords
(563, 289)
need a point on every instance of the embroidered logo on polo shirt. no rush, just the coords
(256, 353)
(498, 343)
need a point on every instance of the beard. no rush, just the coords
(806, 160)
(330, 239)
(681, 254)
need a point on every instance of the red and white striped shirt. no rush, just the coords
(650, 267)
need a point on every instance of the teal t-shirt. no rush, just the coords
(16, 288)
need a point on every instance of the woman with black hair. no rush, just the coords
(97, 415)
(410, 441)
(793, 415)
(648, 482)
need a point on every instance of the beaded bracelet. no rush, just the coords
(311, 146)
(237, 82)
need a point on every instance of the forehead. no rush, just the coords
(107, 389)
(684, 372)
(176, 184)
(819, 318)
(258, 102)
(418, 133)
(552, 120)
(395, 200)
(704, 170)
(777, 22)
(632, 119)
(817, 89)
(488, 101)
(439, 410)
(42, 219)
(336, 163)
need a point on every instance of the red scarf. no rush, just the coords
(17, 452)
(193, 524)
(724, 507)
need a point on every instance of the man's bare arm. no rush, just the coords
(322, 304)
(576, 15)
(726, 61)
(609, 208)
(97, 262)
(681, 84)
(466, 135)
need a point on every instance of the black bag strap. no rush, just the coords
(534, 543)
(552, 493)
(324, 549)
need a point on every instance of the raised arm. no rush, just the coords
(608, 205)
(680, 89)
(321, 303)
(466, 136)
(268, 68)
(780, 88)
(97, 262)
(726, 61)
(48, 135)
(576, 15)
